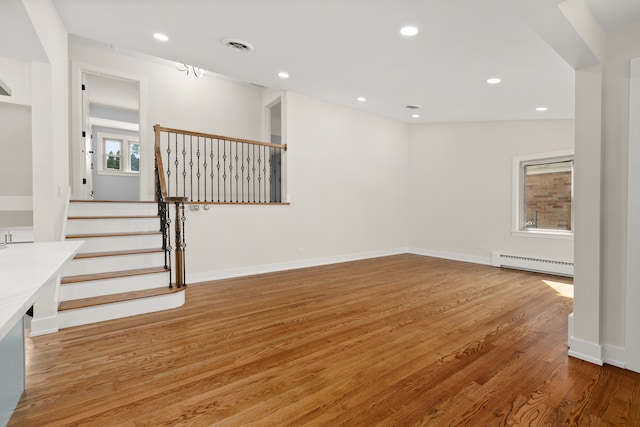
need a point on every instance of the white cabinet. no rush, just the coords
(16, 235)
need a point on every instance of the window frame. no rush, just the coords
(125, 159)
(518, 188)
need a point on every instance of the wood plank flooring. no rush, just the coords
(395, 341)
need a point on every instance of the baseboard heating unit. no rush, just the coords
(539, 265)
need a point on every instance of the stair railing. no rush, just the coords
(209, 169)
(165, 222)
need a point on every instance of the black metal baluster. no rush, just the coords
(271, 150)
(168, 164)
(259, 175)
(242, 177)
(264, 171)
(184, 246)
(237, 199)
(184, 167)
(218, 166)
(224, 169)
(212, 174)
(204, 165)
(177, 164)
(169, 249)
(279, 176)
(253, 169)
(191, 169)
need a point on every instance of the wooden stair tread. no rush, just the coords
(128, 233)
(117, 253)
(114, 217)
(112, 275)
(113, 201)
(107, 299)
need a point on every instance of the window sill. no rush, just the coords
(544, 234)
(116, 173)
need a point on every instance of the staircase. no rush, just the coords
(120, 270)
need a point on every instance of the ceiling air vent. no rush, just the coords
(238, 45)
(412, 106)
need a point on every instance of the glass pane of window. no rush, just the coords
(112, 150)
(134, 156)
(547, 202)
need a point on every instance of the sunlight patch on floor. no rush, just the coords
(564, 289)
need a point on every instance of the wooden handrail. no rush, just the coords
(158, 153)
(159, 129)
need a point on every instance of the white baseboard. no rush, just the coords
(587, 351)
(615, 356)
(452, 256)
(207, 276)
(43, 326)
(594, 353)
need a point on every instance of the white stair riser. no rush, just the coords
(119, 243)
(106, 209)
(96, 288)
(117, 310)
(113, 263)
(112, 225)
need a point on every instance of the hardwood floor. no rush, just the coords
(394, 341)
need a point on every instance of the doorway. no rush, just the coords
(274, 125)
(107, 136)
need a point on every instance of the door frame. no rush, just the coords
(632, 314)
(78, 69)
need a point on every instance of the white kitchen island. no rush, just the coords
(27, 271)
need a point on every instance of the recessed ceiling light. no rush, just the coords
(494, 80)
(362, 99)
(415, 116)
(541, 109)
(283, 75)
(160, 37)
(408, 31)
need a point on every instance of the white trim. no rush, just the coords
(145, 136)
(632, 314)
(16, 203)
(118, 310)
(544, 234)
(114, 124)
(615, 356)
(43, 326)
(452, 256)
(516, 186)
(587, 351)
(207, 276)
(63, 231)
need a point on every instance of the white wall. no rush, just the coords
(17, 75)
(173, 99)
(16, 186)
(15, 146)
(461, 187)
(347, 184)
(50, 121)
(622, 45)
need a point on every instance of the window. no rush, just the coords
(119, 154)
(543, 194)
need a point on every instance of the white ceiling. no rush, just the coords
(338, 50)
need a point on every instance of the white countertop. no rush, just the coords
(24, 270)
